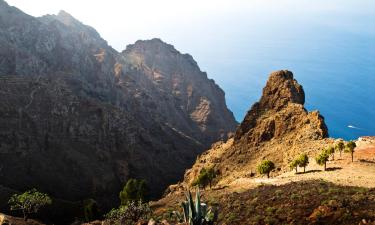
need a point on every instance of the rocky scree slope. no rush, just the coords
(78, 119)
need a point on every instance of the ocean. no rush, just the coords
(330, 51)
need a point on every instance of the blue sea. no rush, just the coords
(330, 48)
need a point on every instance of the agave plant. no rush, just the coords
(196, 213)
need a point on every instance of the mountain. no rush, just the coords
(78, 118)
(277, 128)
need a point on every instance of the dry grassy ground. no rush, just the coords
(345, 194)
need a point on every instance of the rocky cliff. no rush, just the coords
(277, 127)
(78, 118)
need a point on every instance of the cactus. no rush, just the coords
(196, 213)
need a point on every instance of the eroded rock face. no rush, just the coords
(277, 128)
(279, 112)
(78, 119)
(170, 74)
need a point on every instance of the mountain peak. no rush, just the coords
(282, 96)
(153, 45)
(64, 14)
(67, 19)
(281, 89)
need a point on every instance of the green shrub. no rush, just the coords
(295, 196)
(129, 214)
(270, 220)
(134, 190)
(278, 193)
(29, 202)
(270, 210)
(205, 177)
(265, 167)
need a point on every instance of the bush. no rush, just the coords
(129, 214)
(205, 177)
(265, 167)
(134, 190)
(29, 202)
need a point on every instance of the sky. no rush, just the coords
(179, 22)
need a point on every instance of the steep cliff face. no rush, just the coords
(184, 93)
(78, 118)
(278, 128)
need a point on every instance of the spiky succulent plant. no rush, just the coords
(196, 212)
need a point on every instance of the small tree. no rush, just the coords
(303, 161)
(134, 190)
(350, 148)
(205, 177)
(322, 159)
(340, 146)
(265, 167)
(29, 202)
(294, 165)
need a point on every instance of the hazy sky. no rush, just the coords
(179, 22)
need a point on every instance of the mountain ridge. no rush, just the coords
(75, 111)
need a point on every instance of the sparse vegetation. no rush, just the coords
(29, 202)
(300, 207)
(322, 159)
(129, 214)
(205, 177)
(265, 167)
(133, 191)
(350, 148)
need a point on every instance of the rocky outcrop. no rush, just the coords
(277, 127)
(78, 119)
(279, 112)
